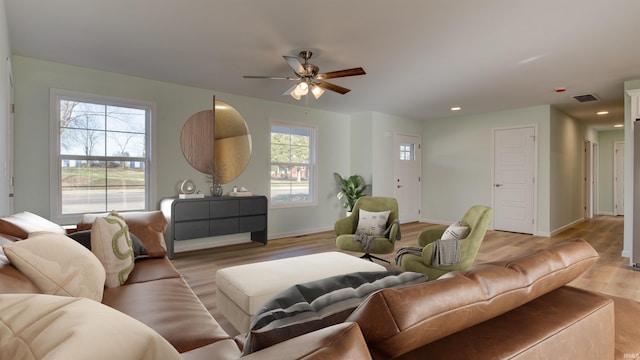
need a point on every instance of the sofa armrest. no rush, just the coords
(430, 234)
(342, 341)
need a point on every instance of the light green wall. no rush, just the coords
(567, 170)
(606, 156)
(384, 129)
(361, 147)
(456, 151)
(174, 104)
(457, 155)
(5, 55)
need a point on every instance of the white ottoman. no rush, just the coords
(243, 289)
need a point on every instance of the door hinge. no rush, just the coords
(418, 211)
(13, 108)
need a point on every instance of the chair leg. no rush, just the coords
(371, 257)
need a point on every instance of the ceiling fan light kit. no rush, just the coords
(309, 78)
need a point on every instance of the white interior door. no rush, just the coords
(513, 186)
(407, 181)
(618, 180)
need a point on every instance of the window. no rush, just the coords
(101, 155)
(292, 165)
(407, 152)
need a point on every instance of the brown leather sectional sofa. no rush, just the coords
(520, 309)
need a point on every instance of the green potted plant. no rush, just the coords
(351, 189)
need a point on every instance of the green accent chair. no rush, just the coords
(477, 218)
(346, 227)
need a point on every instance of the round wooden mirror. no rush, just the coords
(217, 143)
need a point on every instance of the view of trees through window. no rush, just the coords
(291, 164)
(102, 157)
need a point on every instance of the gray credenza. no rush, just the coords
(214, 216)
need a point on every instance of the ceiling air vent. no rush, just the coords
(586, 97)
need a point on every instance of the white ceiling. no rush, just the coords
(421, 57)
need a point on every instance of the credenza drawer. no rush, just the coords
(191, 229)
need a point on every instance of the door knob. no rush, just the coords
(399, 186)
(498, 185)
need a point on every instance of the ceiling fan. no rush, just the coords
(308, 78)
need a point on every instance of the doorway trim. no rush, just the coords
(588, 180)
(617, 209)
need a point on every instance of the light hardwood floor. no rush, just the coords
(611, 274)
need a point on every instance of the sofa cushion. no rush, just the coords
(314, 305)
(427, 312)
(169, 307)
(36, 326)
(23, 223)
(372, 223)
(111, 243)
(12, 281)
(148, 226)
(58, 265)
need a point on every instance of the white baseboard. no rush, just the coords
(300, 233)
(608, 213)
(211, 242)
(563, 228)
(437, 222)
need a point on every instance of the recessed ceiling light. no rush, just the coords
(602, 112)
(618, 125)
(456, 108)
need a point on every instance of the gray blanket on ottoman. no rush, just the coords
(317, 304)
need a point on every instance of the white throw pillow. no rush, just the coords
(455, 231)
(37, 326)
(372, 223)
(111, 243)
(58, 265)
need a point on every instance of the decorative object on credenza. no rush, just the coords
(216, 190)
(242, 191)
(187, 186)
(188, 190)
(220, 137)
(213, 177)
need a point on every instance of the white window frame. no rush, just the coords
(313, 169)
(55, 96)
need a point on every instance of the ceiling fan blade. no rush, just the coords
(295, 64)
(341, 73)
(270, 77)
(333, 87)
(289, 90)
